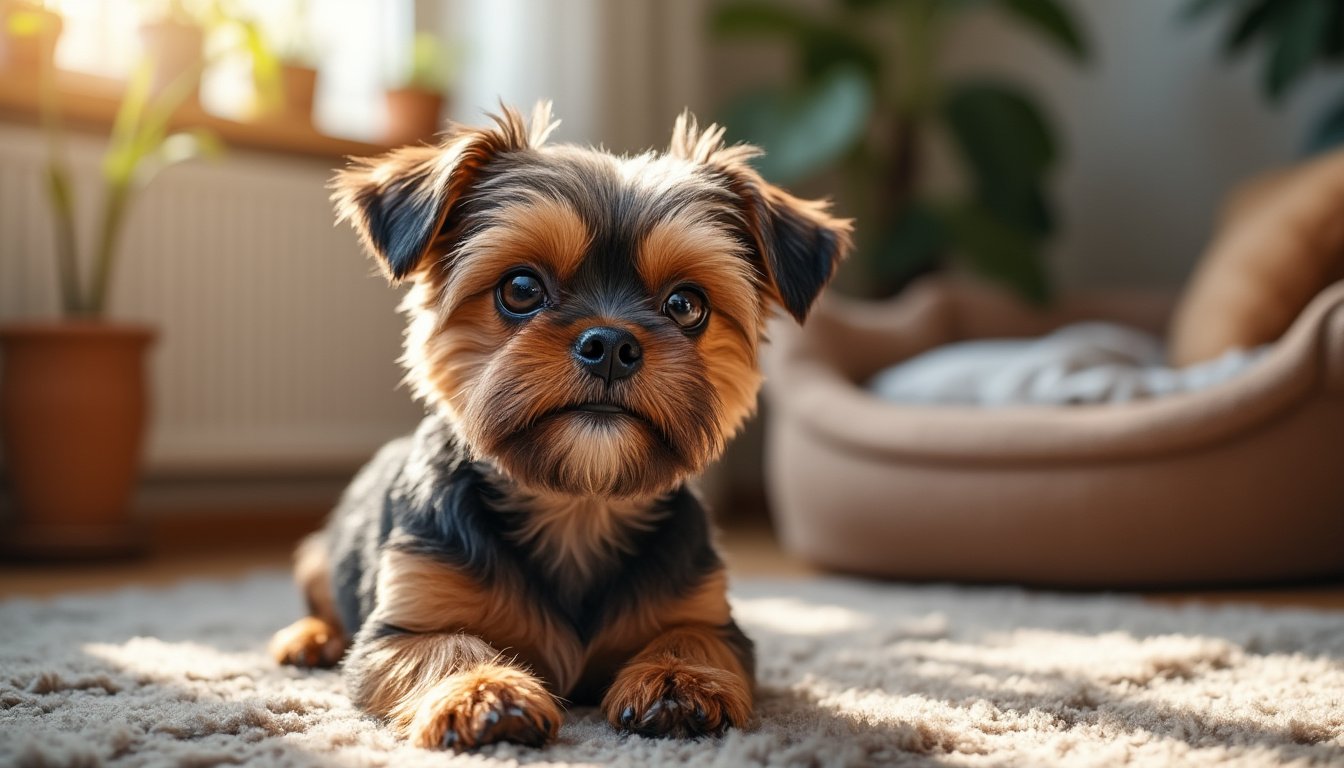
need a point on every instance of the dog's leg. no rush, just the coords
(692, 680)
(448, 689)
(316, 640)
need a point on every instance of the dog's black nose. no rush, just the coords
(610, 354)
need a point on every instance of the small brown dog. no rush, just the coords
(584, 330)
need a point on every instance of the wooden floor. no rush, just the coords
(224, 548)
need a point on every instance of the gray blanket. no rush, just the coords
(1078, 364)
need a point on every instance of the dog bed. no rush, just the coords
(1240, 482)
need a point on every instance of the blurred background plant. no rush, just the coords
(415, 100)
(1298, 37)
(427, 69)
(139, 147)
(217, 29)
(867, 99)
(295, 43)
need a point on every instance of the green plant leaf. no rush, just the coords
(1021, 202)
(756, 18)
(915, 241)
(834, 48)
(1334, 33)
(177, 148)
(26, 22)
(429, 71)
(864, 5)
(265, 66)
(999, 251)
(803, 130)
(999, 131)
(938, 6)
(1301, 38)
(1329, 131)
(1007, 148)
(1256, 19)
(189, 145)
(121, 156)
(821, 46)
(1053, 21)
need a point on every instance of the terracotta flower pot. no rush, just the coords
(412, 115)
(300, 84)
(28, 36)
(175, 47)
(73, 404)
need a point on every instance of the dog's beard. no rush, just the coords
(552, 443)
(579, 453)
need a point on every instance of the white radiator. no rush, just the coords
(277, 341)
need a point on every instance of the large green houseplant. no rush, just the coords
(74, 399)
(866, 97)
(1298, 37)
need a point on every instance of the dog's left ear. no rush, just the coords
(799, 243)
(400, 202)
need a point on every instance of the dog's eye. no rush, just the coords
(687, 307)
(521, 293)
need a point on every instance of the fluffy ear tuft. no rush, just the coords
(805, 244)
(399, 202)
(799, 242)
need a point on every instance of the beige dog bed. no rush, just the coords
(1243, 482)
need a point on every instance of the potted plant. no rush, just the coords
(414, 108)
(28, 35)
(296, 58)
(1298, 37)
(298, 80)
(73, 399)
(866, 100)
(175, 41)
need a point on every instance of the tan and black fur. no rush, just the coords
(535, 540)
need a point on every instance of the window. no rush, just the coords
(358, 46)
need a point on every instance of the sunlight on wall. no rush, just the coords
(99, 36)
(519, 51)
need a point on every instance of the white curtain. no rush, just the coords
(618, 71)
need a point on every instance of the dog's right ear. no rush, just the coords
(797, 243)
(401, 201)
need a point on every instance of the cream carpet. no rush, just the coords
(852, 674)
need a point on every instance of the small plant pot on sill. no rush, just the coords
(412, 115)
(73, 405)
(300, 84)
(28, 37)
(175, 47)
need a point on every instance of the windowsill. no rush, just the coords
(90, 102)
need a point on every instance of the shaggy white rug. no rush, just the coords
(852, 674)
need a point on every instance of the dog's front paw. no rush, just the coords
(671, 698)
(308, 642)
(484, 705)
